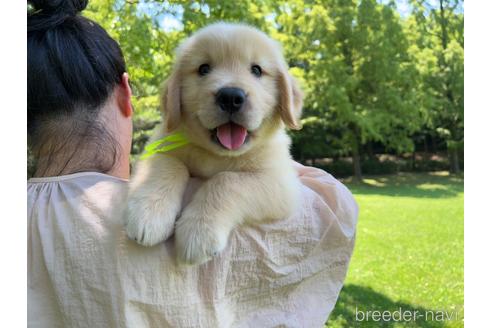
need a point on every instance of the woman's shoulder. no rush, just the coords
(75, 196)
(78, 177)
(331, 194)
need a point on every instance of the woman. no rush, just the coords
(84, 272)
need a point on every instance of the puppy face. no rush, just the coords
(230, 89)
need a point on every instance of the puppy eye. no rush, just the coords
(204, 69)
(256, 70)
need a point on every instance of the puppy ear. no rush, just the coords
(171, 103)
(290, 102)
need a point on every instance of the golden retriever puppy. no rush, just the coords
(231, 95)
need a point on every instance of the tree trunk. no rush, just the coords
(443, 22)
(370, 150)
(356, 158)
(434, 144)
(356, 165)
(454, 159)
(426, 147)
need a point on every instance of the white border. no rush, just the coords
(478, 108)
(478, 164)
(13, 164)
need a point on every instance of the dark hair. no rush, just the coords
(73, 66)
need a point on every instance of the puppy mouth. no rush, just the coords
(230, 135)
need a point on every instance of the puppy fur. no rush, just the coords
(253, 183)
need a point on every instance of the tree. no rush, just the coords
(359, 76)
(439, 54)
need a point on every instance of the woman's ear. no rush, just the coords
(124, 96)
(171, 103)
(290, 100)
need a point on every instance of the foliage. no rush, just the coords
(369, 74)
(342, 168)
(409, 250)
(438, 51)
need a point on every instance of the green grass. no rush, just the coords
(409, 251)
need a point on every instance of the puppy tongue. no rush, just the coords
(231, 135)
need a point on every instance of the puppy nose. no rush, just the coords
(230, 99)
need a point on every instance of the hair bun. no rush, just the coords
(45, 14)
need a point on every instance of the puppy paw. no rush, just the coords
(148, 227)
(198, 241)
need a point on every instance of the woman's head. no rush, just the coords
(74, 71)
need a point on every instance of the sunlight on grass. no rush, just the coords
(440, 173)
(430, 186)
(409, 250)
(374, 182)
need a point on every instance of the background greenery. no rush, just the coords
(379, 80)
(384, 95)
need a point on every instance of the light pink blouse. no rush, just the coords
(84, 272)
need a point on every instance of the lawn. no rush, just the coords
(408, 253)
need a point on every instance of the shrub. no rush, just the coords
(374, 166)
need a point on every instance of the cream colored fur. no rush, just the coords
(254, 183)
